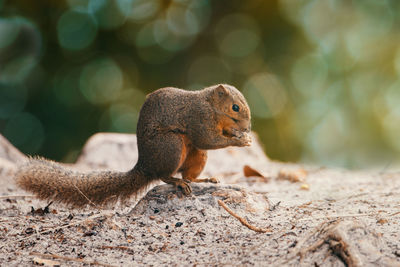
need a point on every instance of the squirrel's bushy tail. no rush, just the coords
(52, 181)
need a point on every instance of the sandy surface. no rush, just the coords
(327, 217)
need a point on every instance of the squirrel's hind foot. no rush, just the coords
(181, 185)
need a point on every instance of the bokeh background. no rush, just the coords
(322, 77)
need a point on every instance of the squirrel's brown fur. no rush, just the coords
(174, 130)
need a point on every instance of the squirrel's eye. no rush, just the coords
(235, 107)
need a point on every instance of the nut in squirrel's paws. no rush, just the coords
(246, 139)
(243, 138)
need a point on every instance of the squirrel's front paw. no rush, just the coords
(213, 180)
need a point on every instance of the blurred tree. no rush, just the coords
(321, 77)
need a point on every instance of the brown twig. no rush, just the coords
(242, 220)
(394, 213)
(55, 256)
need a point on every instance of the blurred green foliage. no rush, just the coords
(321, 77)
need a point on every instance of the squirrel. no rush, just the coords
(174, 131)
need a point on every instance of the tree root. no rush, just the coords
(351, 241)
(243, 220)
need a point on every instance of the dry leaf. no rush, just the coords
(293, 176)
(382, 221)
(45, 262)
(250, 172)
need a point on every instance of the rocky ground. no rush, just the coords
(267, 213)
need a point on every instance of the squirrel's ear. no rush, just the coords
(221, 90)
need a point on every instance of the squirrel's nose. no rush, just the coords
(248, 128)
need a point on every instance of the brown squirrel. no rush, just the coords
(175, 128)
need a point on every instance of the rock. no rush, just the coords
(109, 151)
(6, 167)
(7, 170)
(196, 229)
(9, 157)
(163, 198)
(9, 152)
